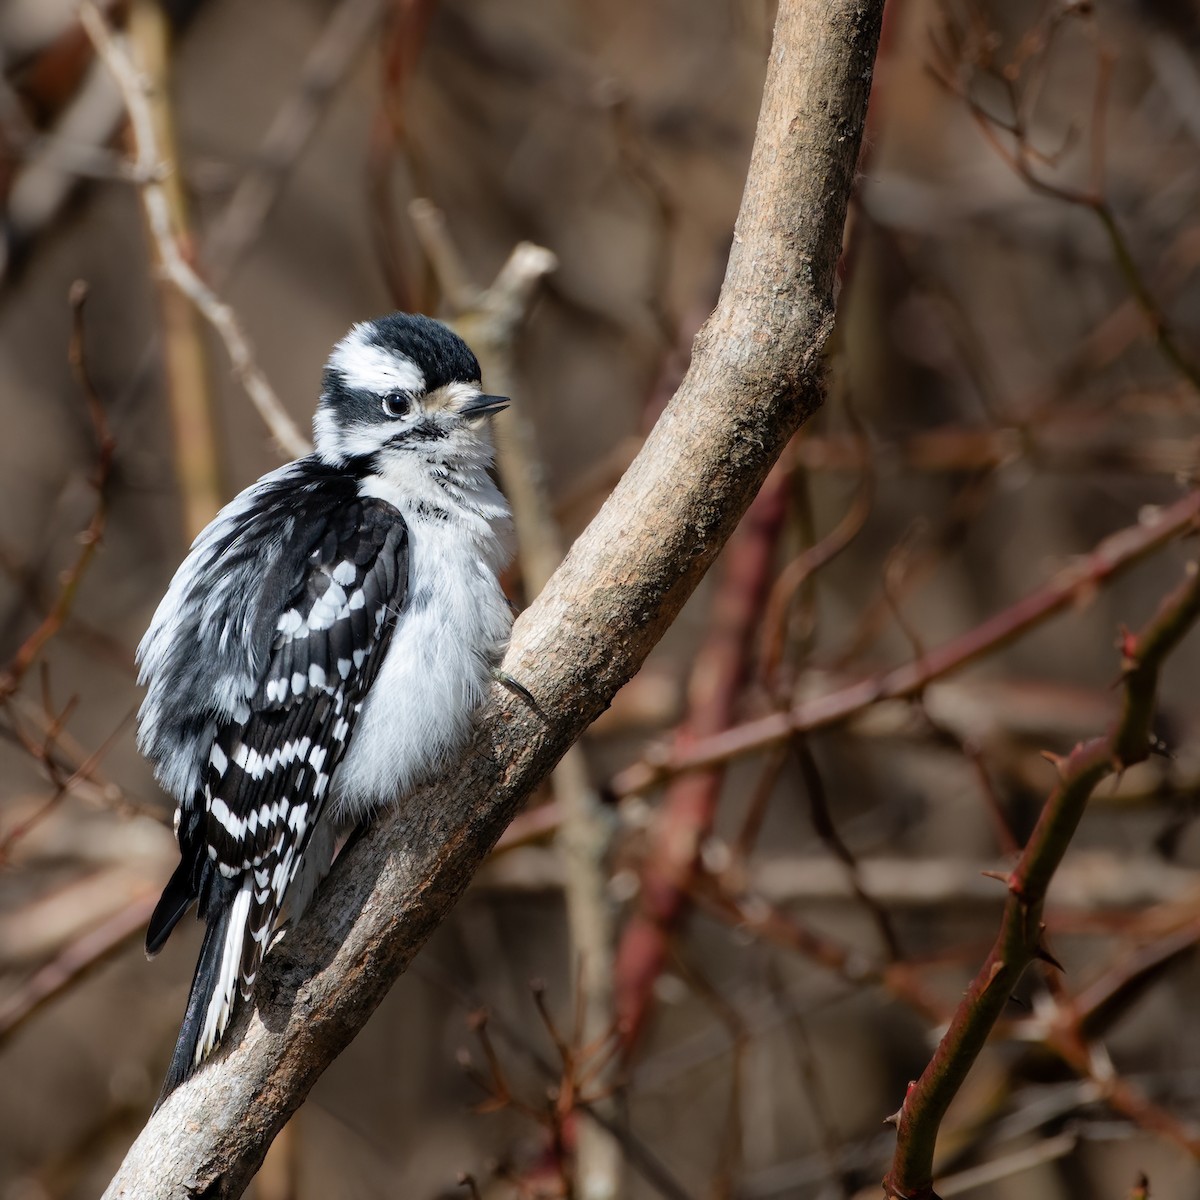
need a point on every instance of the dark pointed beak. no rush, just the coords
(484, 405)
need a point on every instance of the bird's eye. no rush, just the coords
(396, 404)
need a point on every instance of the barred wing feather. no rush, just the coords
(267, 780)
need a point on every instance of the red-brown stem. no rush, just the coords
(1068, 446)
(777, 927)
(404, 40)
(1023, 159)
(1112, 556)
(83, 955)
(685, 820)
(89, 539)
(1119, 1094)
(1019, 940)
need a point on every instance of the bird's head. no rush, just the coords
(402, 383)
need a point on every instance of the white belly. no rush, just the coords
(451, 632)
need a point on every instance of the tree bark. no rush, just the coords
(756, 376)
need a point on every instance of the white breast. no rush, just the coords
(451, 632)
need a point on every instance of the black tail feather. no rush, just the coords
(204, 983)
(176, 899)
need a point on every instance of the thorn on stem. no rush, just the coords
(1044, 955)
(894, 1119)
(1055, 760)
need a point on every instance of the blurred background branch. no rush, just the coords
(138, 93)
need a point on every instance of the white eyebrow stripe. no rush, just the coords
(374, 368)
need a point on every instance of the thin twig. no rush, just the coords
(731, 1150)
(404, 40)
(1023, 159)
(826, 830)
(777, 927)
(154, 199)
(640, 1156)
(44, 754)
(800, 570)
(74, 962)
(89, 539)
(184, 349)
(338, 47)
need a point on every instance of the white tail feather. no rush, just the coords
(220, 1004)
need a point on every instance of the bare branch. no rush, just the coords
(81, 956)
(89, 539)
(331, 58)
(185, 350)
(1073, 583)
(489, 319)
(177, 268)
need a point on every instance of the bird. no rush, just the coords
(323, 648)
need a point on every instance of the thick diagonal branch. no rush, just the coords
(756, 375)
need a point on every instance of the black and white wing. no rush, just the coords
(324, 601)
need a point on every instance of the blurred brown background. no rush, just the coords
(999, 405)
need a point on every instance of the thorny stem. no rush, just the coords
(1020, 939)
